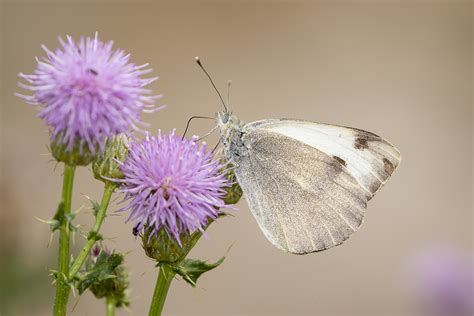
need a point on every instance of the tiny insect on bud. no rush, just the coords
(159, 246)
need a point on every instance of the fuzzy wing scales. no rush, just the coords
(303, 200)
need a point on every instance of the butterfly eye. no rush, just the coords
(225, 118)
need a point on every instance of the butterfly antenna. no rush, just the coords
(212, 82)
(229, 83)
(192, 118)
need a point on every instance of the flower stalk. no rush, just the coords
(90, 96)
(163, 282)
(172, 260)
(110, 305)
(93, 234)
(62, 286)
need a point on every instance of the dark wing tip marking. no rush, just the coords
(362, 139)
(388, 166)
(361, 143)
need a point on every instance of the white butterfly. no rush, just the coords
(306, 183)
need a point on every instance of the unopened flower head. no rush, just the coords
(105, 275)
(172, 183)
(106, 167)
(88, 92)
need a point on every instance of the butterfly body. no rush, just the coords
(232, 132)
(307, 184)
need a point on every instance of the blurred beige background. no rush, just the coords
(401, 69)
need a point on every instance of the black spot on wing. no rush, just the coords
(340, 160)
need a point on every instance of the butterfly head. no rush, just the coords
(231, 131)
(229, 125)
(226, 119)
(223, 118)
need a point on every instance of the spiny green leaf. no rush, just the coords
(94, 236)
(95, 206)
(192, 269)
(102, 270)
(58, 218)
(69, 218)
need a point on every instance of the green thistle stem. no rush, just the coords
(110, 305)
(165, 276)
(93, 235)
(62, 287)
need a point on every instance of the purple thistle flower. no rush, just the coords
(88, 92)
(172, 183)
(445, 280)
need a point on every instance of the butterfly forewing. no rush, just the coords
(368, 157)
(303, 199)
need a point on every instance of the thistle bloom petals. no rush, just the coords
(172, 183)
(88, 92)
(444, 278)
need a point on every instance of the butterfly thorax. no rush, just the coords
(231, 129)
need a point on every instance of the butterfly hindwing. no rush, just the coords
(303, 199)
(368, 157)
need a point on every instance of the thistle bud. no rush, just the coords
(160, 247)
(107, 164)
(234, 191)
(105, 276)
(78, 155)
